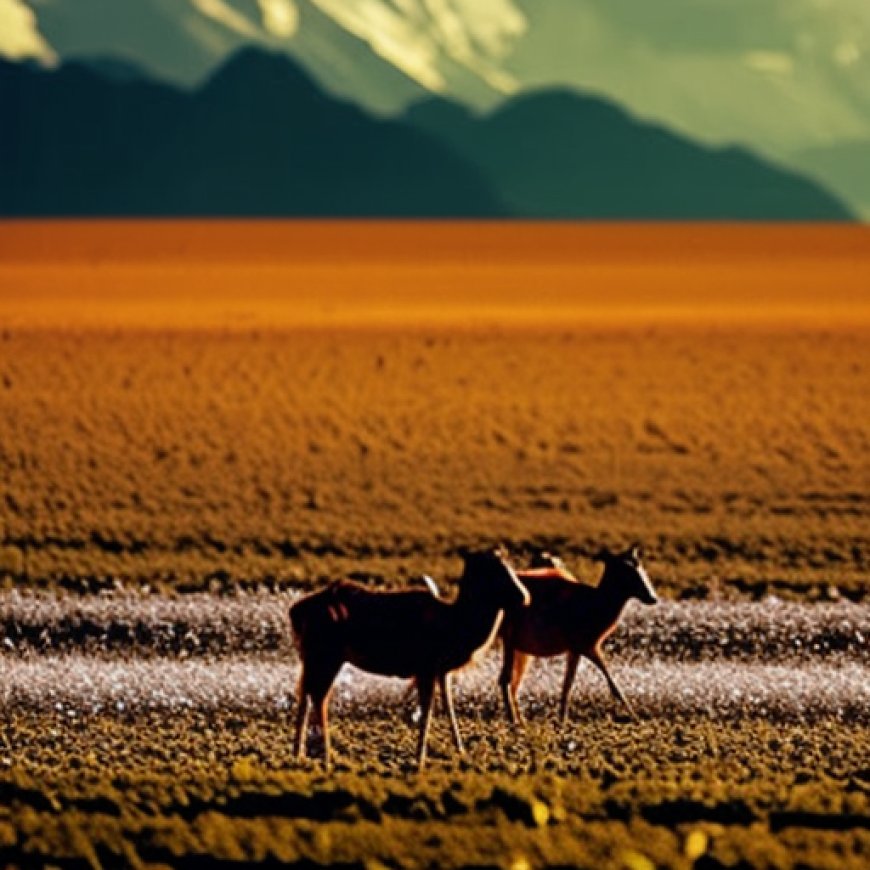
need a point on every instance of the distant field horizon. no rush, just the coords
(309, 274)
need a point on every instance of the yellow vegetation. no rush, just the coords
(165, 789)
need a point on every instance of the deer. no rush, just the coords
(567, 616)
(407, 633)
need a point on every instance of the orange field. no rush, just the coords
(243, 275)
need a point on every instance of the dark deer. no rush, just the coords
(409, 634)
(567, 616)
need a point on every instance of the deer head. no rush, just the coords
(491, 573)
(546, 559)
(626, 571)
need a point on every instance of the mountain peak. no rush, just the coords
(257, 69)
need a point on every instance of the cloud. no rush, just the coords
(425, 37)
(19, 35)
(280, 17)
(477, 35)
(770, 62)
(219, 11)
(493, 26)
(846, 54)
(393, 34)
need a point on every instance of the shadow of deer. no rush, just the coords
(566, 616)
(411, 634)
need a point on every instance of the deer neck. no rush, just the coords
(611, 601)
(477, 618)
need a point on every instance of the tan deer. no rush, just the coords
(567, 616)
(409, 634)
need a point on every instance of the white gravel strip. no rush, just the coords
(75, 685)
(248, 623)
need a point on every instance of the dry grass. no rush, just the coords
(202, 460)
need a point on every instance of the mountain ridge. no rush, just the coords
(261, 138)
(150, 149)
(536, 149)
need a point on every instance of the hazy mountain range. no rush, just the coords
(260, 137)
(789, 79)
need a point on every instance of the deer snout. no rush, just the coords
(645, 594)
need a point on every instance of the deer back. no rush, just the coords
(560, 616)
(390, 633)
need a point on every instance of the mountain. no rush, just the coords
(779, 77)
(557, 154)
(259, 138)
(74, 139)
(184, 41)
(116, 68)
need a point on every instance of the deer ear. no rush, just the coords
(542, 559)
(603, 555)
(635, 552)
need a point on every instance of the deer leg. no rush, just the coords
(425, 691)
(571, 663)
(299, 743)
(316, 687)
(521, 661)
(408, 697)
(447, 698)
(321, 706)
(504, 681)
(597, 658)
